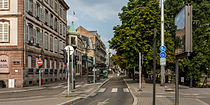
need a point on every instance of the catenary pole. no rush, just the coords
(162, 41)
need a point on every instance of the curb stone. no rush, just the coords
(135, 102)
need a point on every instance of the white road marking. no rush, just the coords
(102, 90)
(78, 86)
(104, 102)
(201, 102)
(125, 90)
(114, 89)
(56, 87)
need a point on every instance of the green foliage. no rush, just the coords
(139, 19)
(198, 62)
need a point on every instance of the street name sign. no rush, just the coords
(162, 48)
(162, 54)
(162, 61)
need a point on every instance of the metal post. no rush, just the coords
(154, 68)
(177, 82)
(140, 71)
(68, 53)
(94, 71)
(40, 84)
(162, 41)
(72, 70)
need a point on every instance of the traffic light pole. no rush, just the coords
(72, 70)
(154, 69)
(177, 82)
(68, 72)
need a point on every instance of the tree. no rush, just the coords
(198, 62)
(139, 19)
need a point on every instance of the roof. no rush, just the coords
(72, 28)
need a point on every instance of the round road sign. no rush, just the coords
(162, 54)
(39, 62)
(162, 48)
(69, 48)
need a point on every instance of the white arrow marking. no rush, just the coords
(104, 102)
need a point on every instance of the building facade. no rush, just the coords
(76, 41)
(99, 50)
(32, 30)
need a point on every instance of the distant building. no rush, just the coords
(30, 29)
(76, 41)
(99, 50)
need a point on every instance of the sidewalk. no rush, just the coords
(82, 91)
(163, 97)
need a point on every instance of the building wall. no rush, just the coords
(14, 55)
(13, 50)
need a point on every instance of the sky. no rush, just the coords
(96, 15)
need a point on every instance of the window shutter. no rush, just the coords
(41, 14)
(34, 36)
(34, 9)
(41, 41)
(1, 32)
(6, 32)
(1, 4)
(29, 61)
(6, 4)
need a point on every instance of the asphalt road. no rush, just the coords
(114, 92)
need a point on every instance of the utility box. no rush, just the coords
(183, 21)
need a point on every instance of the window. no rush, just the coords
(56, 5)
(37, 35)
(37, 66)
(55, 24)
(46, 41)
(61, 46)
(30, 6)
(45, 63)
(38, 10)
(61, 28)
(29, 62)
(4, 31)
(51, 21)
(51, 3)
(61, 10)
(50, 64)
(30, 32)
(73, 41)
(41, 39)
(56, 45)
(64, 30)
(4, 4)
(46, 17)
(51, 43)
(55, 65)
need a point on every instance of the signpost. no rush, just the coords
(40, 63)
(183, 22)
(162, 54)
(162, 61)
(70, 51)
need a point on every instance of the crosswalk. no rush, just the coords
(114, 90)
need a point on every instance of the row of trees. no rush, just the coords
(139, 19)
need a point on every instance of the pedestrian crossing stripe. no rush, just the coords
(114, 90)
(102, 90)
(125, 90)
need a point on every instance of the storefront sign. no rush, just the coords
(4, 64)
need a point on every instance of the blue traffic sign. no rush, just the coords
(162, 48)
(162, 54)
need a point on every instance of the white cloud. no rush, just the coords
(101, 11)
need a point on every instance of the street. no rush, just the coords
(114, 92)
